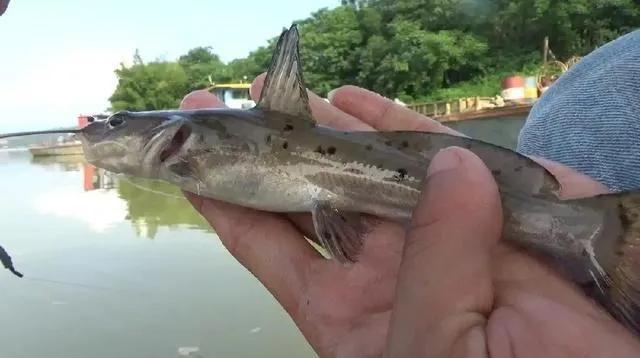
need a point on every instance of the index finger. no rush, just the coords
(382, 113)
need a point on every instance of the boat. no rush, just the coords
(234, 95)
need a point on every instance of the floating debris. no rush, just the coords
(7, 262)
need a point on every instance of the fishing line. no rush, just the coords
(54, 131)
(150, 190)
(72, 284)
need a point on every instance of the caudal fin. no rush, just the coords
(615, 264)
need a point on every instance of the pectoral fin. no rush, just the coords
(341, 233)
(284, 89)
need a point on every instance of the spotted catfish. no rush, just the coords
(276, 157)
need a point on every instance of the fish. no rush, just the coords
(276, 157)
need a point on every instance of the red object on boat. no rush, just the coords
(513, 88)
(83, 121)
(512, 82)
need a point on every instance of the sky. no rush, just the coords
(57, 57)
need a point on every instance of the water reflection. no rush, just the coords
(151, 204)
(107, 199)
(67, 163)
(75, 232)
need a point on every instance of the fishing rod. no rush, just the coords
(52, 131)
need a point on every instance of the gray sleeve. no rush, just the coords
(589, 119)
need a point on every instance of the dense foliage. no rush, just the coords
(412, 49)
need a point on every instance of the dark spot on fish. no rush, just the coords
(368, 147)
(389, 143)
(268, 138)
(405, 144)
(331, 150)
(518, 168)
(285, 145)
(402, 173)
(326, 235)
(288, 128)
(308, 302)
(343, 218)
(496, 172)
(319, 150)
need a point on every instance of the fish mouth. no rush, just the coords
(166, 142)
(176, 143)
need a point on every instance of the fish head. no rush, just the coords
(132, 143)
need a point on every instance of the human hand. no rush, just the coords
(463, 293)
(344, 311)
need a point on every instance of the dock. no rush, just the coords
(472, 108)
(73, 148)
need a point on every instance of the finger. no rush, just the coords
(322, 111)
(382, 113)
(573, 184)
(444, 289)
(201, 99)
(265, 243)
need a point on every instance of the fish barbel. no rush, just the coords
(276, 157)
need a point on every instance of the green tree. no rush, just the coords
(149, 86)
(329, 48)
(202, 66)
(254, 64)
(401, 48)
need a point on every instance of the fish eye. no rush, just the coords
(115, 121)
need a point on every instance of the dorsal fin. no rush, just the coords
(284, 89)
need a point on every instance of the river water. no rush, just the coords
(116, 267)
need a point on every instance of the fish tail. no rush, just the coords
(615, 262)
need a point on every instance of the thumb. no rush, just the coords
(444, 290)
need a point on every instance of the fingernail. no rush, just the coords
(330, 94)
(446, 159)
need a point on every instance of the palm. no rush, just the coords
(536, 313)
(345, 311)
